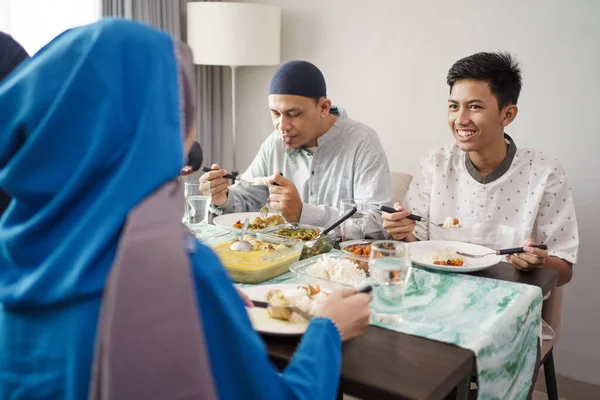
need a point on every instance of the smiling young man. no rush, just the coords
(324, 157)
(503, 196)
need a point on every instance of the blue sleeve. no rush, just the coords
(238, 356)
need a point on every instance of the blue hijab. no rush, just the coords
(89, 127)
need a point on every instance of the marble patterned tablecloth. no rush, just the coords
(499, 321)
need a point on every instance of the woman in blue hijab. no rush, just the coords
(94, 130)
(11, 55)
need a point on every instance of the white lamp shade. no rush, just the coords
(234, 34)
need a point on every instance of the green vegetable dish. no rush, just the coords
(299, 233)
(321, 246)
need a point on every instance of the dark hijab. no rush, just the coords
(11, 55)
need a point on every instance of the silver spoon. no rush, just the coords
(335, 224)
(242, 245)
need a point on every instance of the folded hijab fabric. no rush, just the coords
(90, 143)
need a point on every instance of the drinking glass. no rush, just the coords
(354, 228)
(196, 205)
(390, 269)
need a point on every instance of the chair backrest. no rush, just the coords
(552, 310)
(400, 184)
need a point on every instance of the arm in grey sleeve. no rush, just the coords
(371, 181)
(244, 197)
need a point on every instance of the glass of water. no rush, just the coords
(354, 228)
(390, 269)
(196, 205)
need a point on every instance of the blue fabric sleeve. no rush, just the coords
(238, 356)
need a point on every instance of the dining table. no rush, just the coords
(386, 364)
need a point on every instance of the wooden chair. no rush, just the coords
(400, 184)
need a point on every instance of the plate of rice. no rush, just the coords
(440, 255)
(308, 298)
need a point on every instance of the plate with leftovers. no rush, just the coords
(440, 255)
(236, 220)
(278, 318)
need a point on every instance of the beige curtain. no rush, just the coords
(170, 16)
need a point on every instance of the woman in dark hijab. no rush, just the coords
(11, 55)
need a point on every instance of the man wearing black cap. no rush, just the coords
(324, 157)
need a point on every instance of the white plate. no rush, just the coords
(227, 220)
(259, 316)
(419, 252)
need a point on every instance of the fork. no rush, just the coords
(515, 250)
(264, 210)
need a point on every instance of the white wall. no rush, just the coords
(33, 23)
(385, 61)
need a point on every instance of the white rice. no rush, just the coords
(298, 297)
(337, 270)
(449, 223)
(442, 255)
(261, 181)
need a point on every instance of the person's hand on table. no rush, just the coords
(247, 302)
(396, 224)
(348, 310)
(532, 257)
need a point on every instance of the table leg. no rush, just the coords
(462, 391)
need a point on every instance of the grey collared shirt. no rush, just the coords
(500, 170)
(349, 162)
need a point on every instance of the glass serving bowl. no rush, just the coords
(311, 247)
(256, 266)
(359, 244)
(302, 269)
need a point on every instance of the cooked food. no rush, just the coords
(261, 181)
(451, 262)
(259, 223)
(307, 298)
(451, 222)
(446, 257)
(265, 261)
(263, 247)
(361, 250)
(337, 270)
(299, 233)
(314, 248)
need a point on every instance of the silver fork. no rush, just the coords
(514, 250)
(296, 310)
(264, 210)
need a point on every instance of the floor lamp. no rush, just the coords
(234, 35)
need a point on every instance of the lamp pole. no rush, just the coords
(233, 124)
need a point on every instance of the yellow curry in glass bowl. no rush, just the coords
(270, 256)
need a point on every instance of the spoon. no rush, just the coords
(242, 245)
(331, 227)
